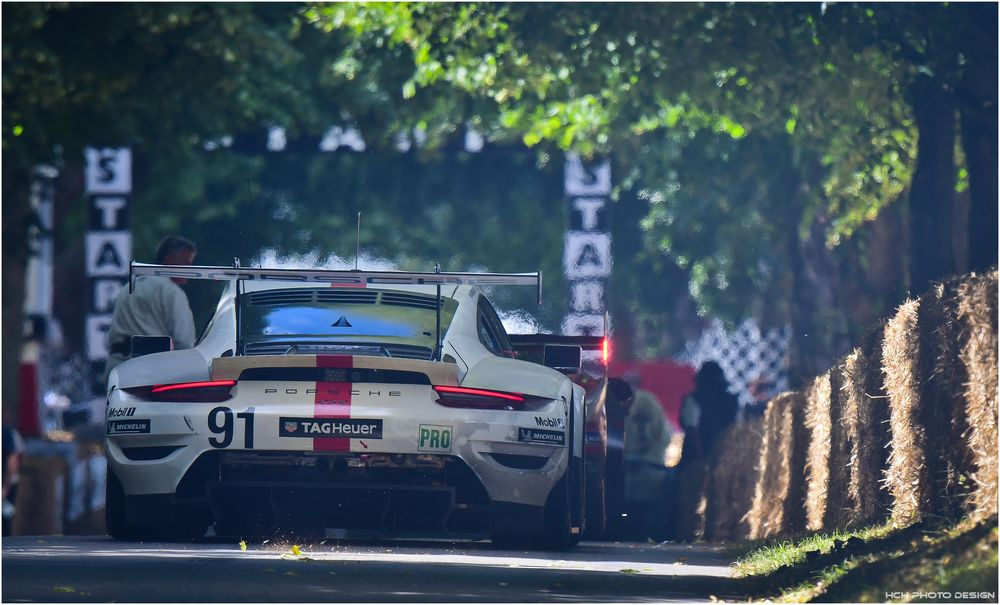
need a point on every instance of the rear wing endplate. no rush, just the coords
(336, 277)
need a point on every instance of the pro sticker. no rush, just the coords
(434, 438)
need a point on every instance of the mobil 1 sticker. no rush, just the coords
(530, 435)
(126, 427)
(351, 428)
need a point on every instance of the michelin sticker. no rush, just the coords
(434, 438)
(351, 428)
(530, 435)
(126, 427)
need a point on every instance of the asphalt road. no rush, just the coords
(98, 569)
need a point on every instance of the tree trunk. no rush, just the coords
(819, 326)
(932, 193)
(17, 216)
(979, 140)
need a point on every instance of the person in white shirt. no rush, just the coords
(156, 307)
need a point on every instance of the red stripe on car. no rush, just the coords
(333, 400)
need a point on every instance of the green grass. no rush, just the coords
(881, 559)
(769, 557)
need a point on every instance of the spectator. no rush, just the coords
(647, 479)
(156, 307)
(13, 450)
(646, 428)
(705, 414)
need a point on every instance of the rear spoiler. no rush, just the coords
(346, 278)
(336, 277)
(587, 343)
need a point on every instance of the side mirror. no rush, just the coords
(144, 345)
(563, 358)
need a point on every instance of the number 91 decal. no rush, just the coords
(222, 422)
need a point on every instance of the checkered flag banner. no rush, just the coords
(745, 354)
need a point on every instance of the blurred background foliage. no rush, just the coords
(764, 155)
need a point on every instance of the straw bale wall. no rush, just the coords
(942, 411)
(779, 496)
(733, 481)
(906, 476)
(819, 425)
(977, 308)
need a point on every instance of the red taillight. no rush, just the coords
(206, 391)
(484, 399)
(606, 350)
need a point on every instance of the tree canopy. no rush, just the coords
(752, 144)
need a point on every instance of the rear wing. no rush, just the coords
(345, 278)
(336, 277)
(587, 343)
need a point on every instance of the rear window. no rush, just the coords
(337, 315)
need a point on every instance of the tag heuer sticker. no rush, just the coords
(434, 438)
(126, 427)
(348, 428)
(530, 435)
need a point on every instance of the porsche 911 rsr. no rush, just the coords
(345, 400)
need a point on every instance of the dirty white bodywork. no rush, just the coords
(259, 409)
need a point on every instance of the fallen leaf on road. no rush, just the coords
(332, 573)
(504, 584)
(291, 573)
(265, 541)
(296, 550)
(63, 589)
(629, 571)
(682, 560)
(243, 545)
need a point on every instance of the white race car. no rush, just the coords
(323, 399)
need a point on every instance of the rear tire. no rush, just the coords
(557, 530)
(596, 511)
(114, 511)
(183, 526)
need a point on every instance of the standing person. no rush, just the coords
(647, 435)
(13, 449)
(157, 306)
(705, 414)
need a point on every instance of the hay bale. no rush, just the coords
(838, 506)
(878, 406)
(780, 491)
(977, 308)
(906, 476)
(820, 426)
(732, 482)
(942, 411)
(865, 433)
(853, 422)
